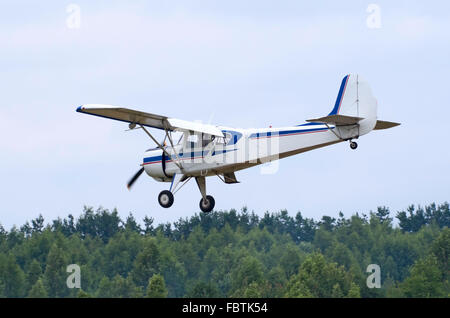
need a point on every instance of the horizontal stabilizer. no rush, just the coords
(381, 124)
(338, 120)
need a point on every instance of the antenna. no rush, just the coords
(357, 102)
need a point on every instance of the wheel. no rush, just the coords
(353, 145)
(208, 204)
(165, 199)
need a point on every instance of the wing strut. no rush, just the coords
(162, 147)
(178, 163)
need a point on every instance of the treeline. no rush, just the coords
(230, 254)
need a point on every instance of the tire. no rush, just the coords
(353, 145)
(207, 206)
(165, 199)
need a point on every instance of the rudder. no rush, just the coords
(355, 99)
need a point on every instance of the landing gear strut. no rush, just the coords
(353, 145)
(206, 202)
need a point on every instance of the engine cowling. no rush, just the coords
(155, 165)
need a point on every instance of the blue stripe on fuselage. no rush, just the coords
(285, 132)
(190, 155)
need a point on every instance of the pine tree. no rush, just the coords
(38, 290)
(33, 273)
(320, 278)
(55, 273)
(124, 288)
(132, 225)
(354, 291)
(337, 292)
(146, 263)
(204, 290)
(156, 287)
(250, 270)
(13, 279)
(441, 249)
(253, 291)
(425, 280)
(104, 288)
(83, 294)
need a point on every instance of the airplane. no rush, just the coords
(206, 150)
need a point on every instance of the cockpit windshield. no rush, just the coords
(199, 140)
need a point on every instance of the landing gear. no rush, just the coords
(165, 199)
(207, 205)
(353, 145)
(206, 202)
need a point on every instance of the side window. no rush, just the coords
(228, 137)
(193, 138)
(197, 140)
(192, 141)
(232, 137)
(224, 140)
(207, 139)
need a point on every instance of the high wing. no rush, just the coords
(146, 119)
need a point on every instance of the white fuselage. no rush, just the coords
(242, 148)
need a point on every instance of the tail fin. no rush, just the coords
(342, 89)
(355, 104)
(355, 99)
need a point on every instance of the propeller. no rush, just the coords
(134, 178)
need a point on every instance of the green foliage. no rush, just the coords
(83, 294)
(12, 278)
(441, 249)
(249, 272)
(38, 290)
(104, 288)
(124, 288)
(254, 290)
(319, 278)
(413, 219)
(204, 290)
(100, 224)
(425, 280)
(34, 272)
(55, 274)
(156, 287)
(354, 291)
(146, 263)
(230, 254)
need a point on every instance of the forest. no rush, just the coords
(230, 254)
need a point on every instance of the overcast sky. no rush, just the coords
(234, 63)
